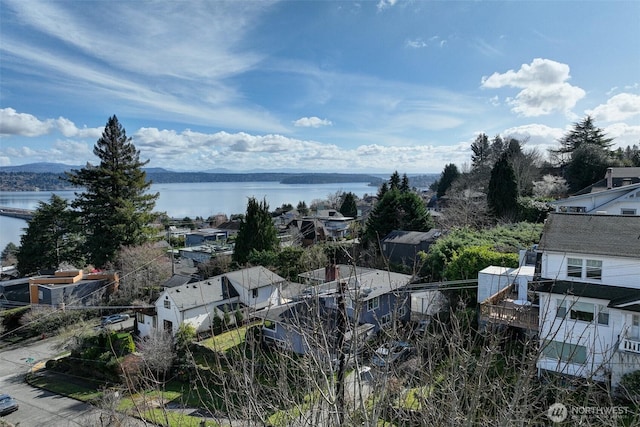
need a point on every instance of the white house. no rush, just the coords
(617, 194)
(589, 296)
(198, 303)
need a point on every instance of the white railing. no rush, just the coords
(631, 345)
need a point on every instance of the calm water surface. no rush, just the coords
(180, 200)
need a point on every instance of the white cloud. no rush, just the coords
(544, 88)
(623, 134)
(14, 123)
(70, 130)
(618, 107)
(384, 4)
(415, 43)
(537, 135)
(311, 122)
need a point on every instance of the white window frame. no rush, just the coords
(385, 320)
(628, 211)
(574, 267)
(594, 269)
(373, 304)
(578, 310)
(167, 304)
(603, 315)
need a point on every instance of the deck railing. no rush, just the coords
(522, 317)
(630, 345)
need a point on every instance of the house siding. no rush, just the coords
(615, 271)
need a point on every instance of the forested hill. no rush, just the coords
(47, 181)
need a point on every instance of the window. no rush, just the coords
(385, 320)
(167, 303)
(636, 320)
(254, 293)
(566, 352)
(574, 267)
(582, 311)
(562, 309)
(603, 315)
(373, 304)
(402, 311)
(594, 269)
(624, 211)
(140, 317)
(168, 326)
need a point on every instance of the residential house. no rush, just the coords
(203, 253)
(72, 287)
(402, 247)
(205, 236)
(624, 200)
(197, 303)
(589, 296)
(373, 299)
(617, 194)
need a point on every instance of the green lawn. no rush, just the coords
(227, 340)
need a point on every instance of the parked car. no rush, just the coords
(7, 404)
(114, 318)
(391, 352)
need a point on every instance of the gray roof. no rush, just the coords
(198, 294)
(612, 235)
(412, 237)
(254, 277)
(371, 282)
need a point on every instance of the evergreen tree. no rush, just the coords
(9, 252)
(115, 207)
(394, 181)
(382, 190)
(397, 211)
(448, 175)
(404, 185)
(589, 163)
(302, 208)
(349, 207)
(481, 150)
(583, 132)
(257, 232)
(51, 238)
(502, 195)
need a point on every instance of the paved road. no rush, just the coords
(40, 407)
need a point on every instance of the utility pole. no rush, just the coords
(341, 327)
(173, 267)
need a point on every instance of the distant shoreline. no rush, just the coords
(49, 181)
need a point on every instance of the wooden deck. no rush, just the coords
(501, 309)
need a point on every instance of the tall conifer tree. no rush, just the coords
(115, 206)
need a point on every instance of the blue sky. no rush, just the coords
(370, 86)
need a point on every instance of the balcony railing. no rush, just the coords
(507, 313)
(630, 344)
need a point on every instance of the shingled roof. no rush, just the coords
(612, 235)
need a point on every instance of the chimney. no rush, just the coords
(331, 273)
(609, 177)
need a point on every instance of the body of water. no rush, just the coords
(181, 200)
